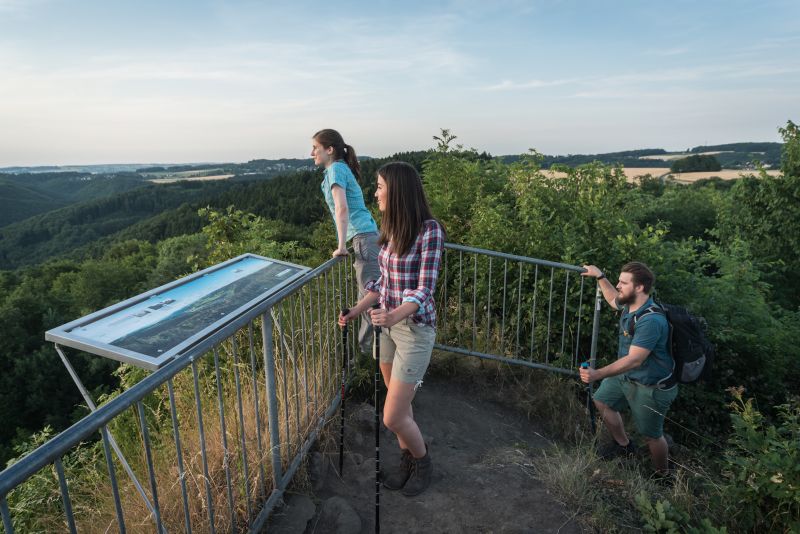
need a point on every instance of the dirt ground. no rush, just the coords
(483, 475)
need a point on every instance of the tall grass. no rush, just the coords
(307, 369)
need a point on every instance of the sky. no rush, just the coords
(90, 82)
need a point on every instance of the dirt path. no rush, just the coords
(483, 478)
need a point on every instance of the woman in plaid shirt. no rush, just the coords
(412, 242)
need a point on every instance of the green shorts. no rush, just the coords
(407, 346)
(648, 404)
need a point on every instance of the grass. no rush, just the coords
(306, 380)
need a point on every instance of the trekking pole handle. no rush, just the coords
(376, 306)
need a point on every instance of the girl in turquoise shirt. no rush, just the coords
(350, 215)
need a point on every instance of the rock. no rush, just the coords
(363, 417)
(293, 516)
(317, 469)
(339, 517)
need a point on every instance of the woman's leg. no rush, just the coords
(399, 417)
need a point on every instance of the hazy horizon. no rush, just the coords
(88, 83)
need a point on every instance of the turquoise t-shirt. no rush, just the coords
(360, 219)
(651, 333)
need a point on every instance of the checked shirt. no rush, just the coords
(412, 277)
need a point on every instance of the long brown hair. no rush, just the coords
(341, 150)
(406, 208)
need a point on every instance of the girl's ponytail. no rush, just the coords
(352, 161)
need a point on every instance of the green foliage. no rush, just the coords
(695, 163)
(762, 468)
(764, 212)
(36, 505)
(662, 516)
(233, 232)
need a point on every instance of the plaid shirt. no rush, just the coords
(412, 277)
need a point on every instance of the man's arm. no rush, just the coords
(609, 291)
(636, 355)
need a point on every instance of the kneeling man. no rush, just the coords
(641, 378)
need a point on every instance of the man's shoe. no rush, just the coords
(397, 478)
(421, 473)
(612, 450)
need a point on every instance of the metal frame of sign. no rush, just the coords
(64, 335)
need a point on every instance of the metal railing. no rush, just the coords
(519, 310)
(219, 432)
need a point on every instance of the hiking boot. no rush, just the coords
(665, 478)
(397, 478)
(612, 450)
(421, 472)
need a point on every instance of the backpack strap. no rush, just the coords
(653, 308)
(669, 381)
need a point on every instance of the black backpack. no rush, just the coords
(689, 347)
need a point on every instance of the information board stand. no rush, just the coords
(153, 328)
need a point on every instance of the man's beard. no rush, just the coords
(628, 299)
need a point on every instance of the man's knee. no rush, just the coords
(602, 407)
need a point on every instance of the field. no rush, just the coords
(632, 173)
(190, 178)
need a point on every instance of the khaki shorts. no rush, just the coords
(407, 346)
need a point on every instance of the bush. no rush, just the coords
(762, 468)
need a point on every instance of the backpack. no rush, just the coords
(689, 347)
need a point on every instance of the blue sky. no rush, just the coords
(111, 82)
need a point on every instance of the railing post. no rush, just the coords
(593, 353)
(272, 398)
(9, 526)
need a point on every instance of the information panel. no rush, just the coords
(150, 329)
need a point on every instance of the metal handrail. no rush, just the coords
(58, 446)
(498, 320)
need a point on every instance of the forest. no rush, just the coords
(727, 250)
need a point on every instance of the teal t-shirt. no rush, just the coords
(360, 220)
(652, 333)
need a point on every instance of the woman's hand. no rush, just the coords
(381, 317)
(340, 252)
(344, 318)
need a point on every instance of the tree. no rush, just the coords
(696, 163)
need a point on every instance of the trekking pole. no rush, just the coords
(376, 347)
(589, 402)
(341, 400)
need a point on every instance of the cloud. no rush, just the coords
(508, 85)
(666, 52)
(20, 7)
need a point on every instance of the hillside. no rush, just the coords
(27, 194)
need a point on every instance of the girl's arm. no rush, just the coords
(341, 218)
(429, 261)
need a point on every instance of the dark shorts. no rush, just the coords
(648, 404)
